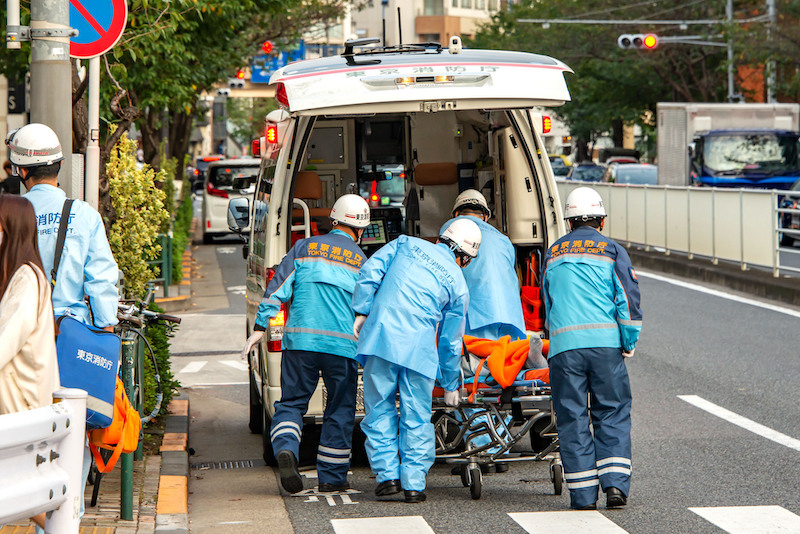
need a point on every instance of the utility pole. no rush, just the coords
(51, 80)
(729, 17)
(772, 14)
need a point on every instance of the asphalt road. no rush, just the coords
(716, 386)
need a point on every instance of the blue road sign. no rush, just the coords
(264, 65)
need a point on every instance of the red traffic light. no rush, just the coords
(266, 47)
(240, 74)
(650, 41)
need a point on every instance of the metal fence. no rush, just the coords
(744, 226)
(41, 457)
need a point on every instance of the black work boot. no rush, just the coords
(388, 487)
(615, 498)
(414, 496)
(290, 475)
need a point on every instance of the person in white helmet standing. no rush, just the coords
(87, 268)
(591, 296)
(318, 275)
(411, 301)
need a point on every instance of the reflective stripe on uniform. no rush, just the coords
(335, 452)
(628, 322)
(332, 262)
(268, 301)
(614, 469)
(584, 484)
(623, 465)
(332, 459)
(582, 327)
(614, 460)
(286, 427)
(581, 474)
(296, 330)
(291, 431)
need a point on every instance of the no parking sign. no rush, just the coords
(100, 24)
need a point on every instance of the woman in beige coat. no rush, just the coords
(28, 364)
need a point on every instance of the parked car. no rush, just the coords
(631, 173)
(790, 200)
(225, 179)
(586, 172)
(560, 165)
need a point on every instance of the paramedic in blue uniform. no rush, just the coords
(495, 308)
(318, 274)
(87, 267)
(591, 297)
(407, 292)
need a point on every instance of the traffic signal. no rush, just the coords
(638, 41)
(238, 81)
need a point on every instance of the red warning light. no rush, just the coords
(266, 47)
(547, 124)
(650, 41)
(272, 134)
(240, 74)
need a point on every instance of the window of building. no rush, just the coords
(455, 3)
(434, 7)
(480, 4)
(492, 5)
(466, 4)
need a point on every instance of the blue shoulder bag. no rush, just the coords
(88, 358)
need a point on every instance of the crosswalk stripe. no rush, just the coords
(750, 519)
(589, 522)
(193, 367)
(239, 366)
(413, 524)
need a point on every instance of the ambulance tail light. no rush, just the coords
(276, 324)
(275, 334)
(271, 134)
(256, 148)
(281, 96)
(547, 124)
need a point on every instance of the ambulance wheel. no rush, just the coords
(557, 476)
(266, 442)
(475, 482)
(464, 476)
(256, 409)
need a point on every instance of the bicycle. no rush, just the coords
(133, 317)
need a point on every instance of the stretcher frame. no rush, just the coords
(527, 403)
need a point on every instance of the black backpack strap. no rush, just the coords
(62, 236)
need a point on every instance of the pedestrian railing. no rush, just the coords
(41, 458)
(743, 226)
(164, 262)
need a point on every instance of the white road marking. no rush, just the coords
(237, 290)
(234, 522)
(590, 522)
(226, 250)
(215, 384)
(413, 524)
(742, 421)
(236, 364)
(193, 367)
(721, 294)
(751, 519)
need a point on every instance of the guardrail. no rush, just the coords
(735, 225)
(41, 457)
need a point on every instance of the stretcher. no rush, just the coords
(490, 421)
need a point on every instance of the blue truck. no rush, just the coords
(728, 145)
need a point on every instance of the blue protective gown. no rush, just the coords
(318, 275)
(87, 266)
(408, 289)
(591, 297)
(495, 308)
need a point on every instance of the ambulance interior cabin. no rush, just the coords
(410, 167)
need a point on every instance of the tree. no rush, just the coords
(612, 86)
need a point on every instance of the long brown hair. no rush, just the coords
(20, 240)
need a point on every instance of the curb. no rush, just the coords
(172, 505)
(759, 283)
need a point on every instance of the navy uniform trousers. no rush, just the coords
(605, 458)
(300, 371)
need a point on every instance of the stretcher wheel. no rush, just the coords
(475, 482)
(464, 476)
(557, 476)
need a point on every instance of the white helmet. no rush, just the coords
(471, 198)
(463, 236)
(584, 203)
(351, 210)
(34, 145)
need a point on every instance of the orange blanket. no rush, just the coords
(504, 357)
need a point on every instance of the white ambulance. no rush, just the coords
(408, 128)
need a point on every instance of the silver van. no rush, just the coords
(408, 128)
